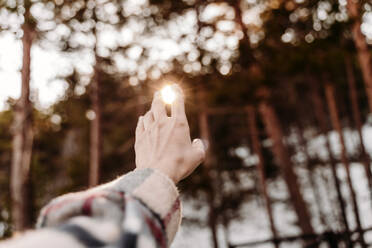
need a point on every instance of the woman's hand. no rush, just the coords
(163, 143)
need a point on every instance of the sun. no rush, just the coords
(168, 95)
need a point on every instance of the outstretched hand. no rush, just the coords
(164, 142)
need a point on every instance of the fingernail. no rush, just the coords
(205, 144)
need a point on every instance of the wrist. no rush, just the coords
(171, 176)
(169, 168)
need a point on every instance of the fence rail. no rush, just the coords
(332, 238)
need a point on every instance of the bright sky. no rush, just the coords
(165, 45)
(45, 65)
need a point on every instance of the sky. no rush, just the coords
(45, 65)
(48, 63)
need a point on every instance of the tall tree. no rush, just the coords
(275, 132)
(353, 95)
(87, 19)
(208, 162)
(95, 150)
(254, 135)
(312, 182)
(335, 120)
(96, 145)
(364, 55)
(298, 129)
(23, 133)
(321, 119)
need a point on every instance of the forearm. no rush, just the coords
(142, 205)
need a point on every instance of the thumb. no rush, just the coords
(196, 156)
(199, 151)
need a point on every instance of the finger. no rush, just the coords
(199, 151)
(140, 127)
(148, 119)
(158, 107)
(178, 106)
(199, 145)
(196, 156)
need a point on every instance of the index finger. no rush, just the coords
(140, 127)
(178, 106)
(158, 107)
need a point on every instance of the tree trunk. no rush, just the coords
(330, 94)
(321, 118)
(212, 222)
(275, 132)
(261, 169)
(362, 48)
(357, 121)
(204, 126)
(22, 141)
(95, 129)
(312, 182)
(208, 163)
(302, 146)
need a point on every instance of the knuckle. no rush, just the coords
(161, 123)
(139, 138)
(181, 124)
(180, 160)
(148, 115)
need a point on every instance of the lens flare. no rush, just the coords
(168, 95)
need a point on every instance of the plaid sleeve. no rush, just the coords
(140, 209)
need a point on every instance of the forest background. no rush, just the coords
(280, 90)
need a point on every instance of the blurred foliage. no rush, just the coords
(289, 70)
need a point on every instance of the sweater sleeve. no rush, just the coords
(139, 209)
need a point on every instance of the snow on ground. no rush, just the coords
(254, 225)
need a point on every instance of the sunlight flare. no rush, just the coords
(168, 94)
